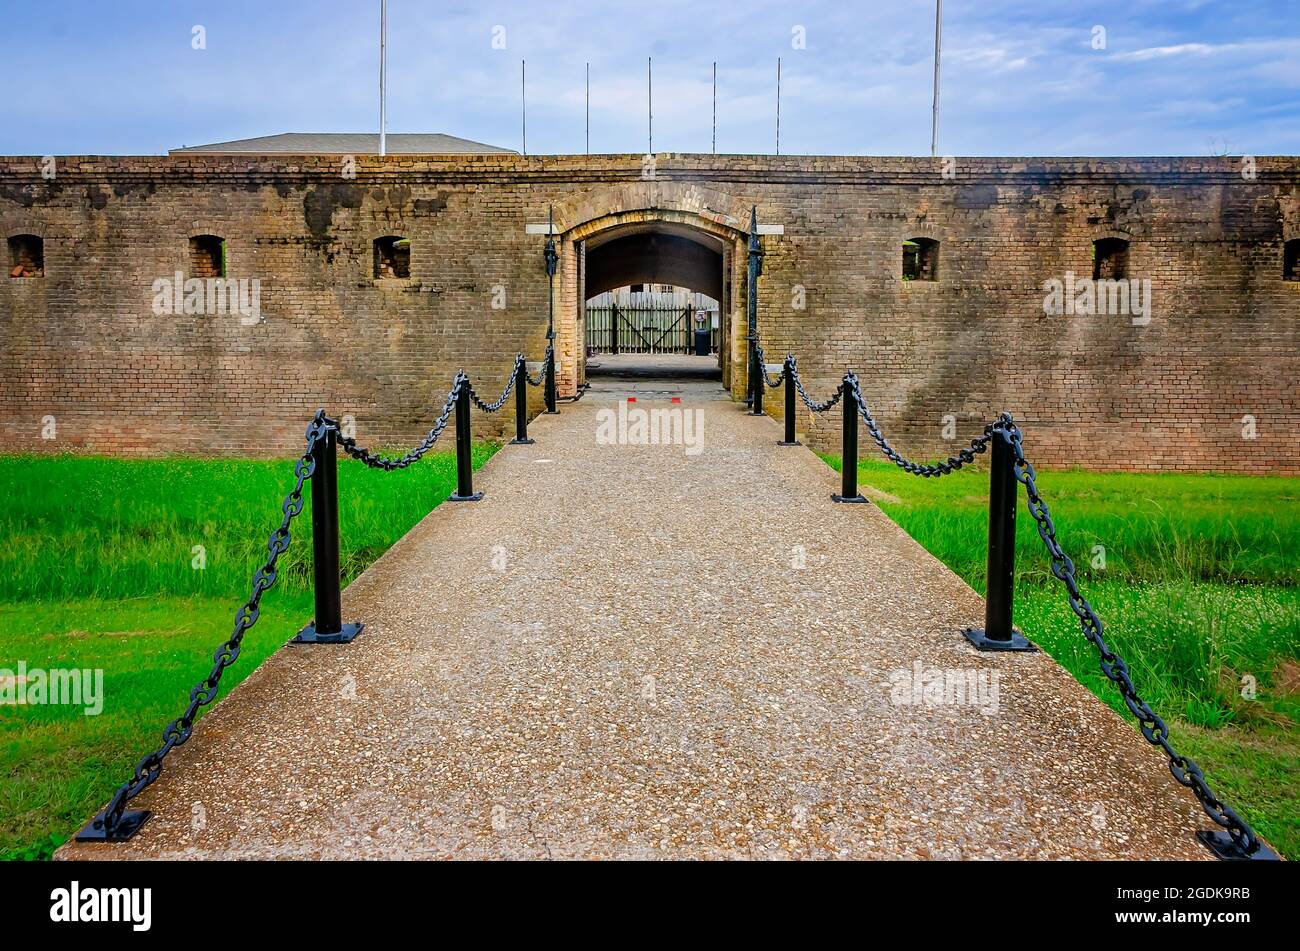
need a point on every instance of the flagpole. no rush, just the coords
(938, 41)
(383, 68)
(650, 104)
(778, 105)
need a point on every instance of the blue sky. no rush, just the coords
(1181, 77)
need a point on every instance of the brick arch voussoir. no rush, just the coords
(705, 208)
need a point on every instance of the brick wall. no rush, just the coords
(84, 344)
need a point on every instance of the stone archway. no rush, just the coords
(673, 231)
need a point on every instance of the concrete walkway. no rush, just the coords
(655, 376)
(654, 675)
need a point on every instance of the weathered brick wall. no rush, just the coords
(83, 345)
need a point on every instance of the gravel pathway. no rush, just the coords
(685, 655)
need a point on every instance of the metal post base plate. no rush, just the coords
(1018, 642)
(127, 826)
(859, 499)
(1223, 846)
(308, 635)
(522, 442)
(457, 497)
(782, 442)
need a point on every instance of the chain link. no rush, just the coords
(205, 691)
(762, 368)
(1112, 665)
(178, 731)
(812, 404)
(582, 391)
(505, 394)
(1153, 728)
(390, 463)
(541, 374)
(964, 457)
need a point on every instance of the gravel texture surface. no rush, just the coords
(685, 655)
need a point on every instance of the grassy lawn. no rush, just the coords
(1199, 588)
(99, 569)
(1197, 579)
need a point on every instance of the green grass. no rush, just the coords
(77, 527)
(1197, 580)
(97, 570)
(1201, 588)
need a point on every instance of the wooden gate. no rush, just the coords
(645, 322)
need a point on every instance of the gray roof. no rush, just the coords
(345, 143)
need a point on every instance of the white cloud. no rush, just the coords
(1182, 49)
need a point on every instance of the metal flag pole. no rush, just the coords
(588, 108)
(383, 68)
(778, 105)
(938, 40)
(523, 102)
(715, 107)
(650, 104)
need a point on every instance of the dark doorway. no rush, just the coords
(654, 298)
(653, 288)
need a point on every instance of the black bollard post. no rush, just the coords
(464, 446)
(998, 634)
(521, 406)
(328, 626)
(789, 439)
(849, 458)
(758, 383)
(551, 385)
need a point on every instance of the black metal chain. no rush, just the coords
(178, 731)
(541, 374)
(582, 391)
(762, 368)
(1153, 728)
(812, 404)
(963, 457)
(205, 691)
(1112, 665)
(505, 394)
(390, 463)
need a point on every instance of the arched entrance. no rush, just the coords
(644, 283)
